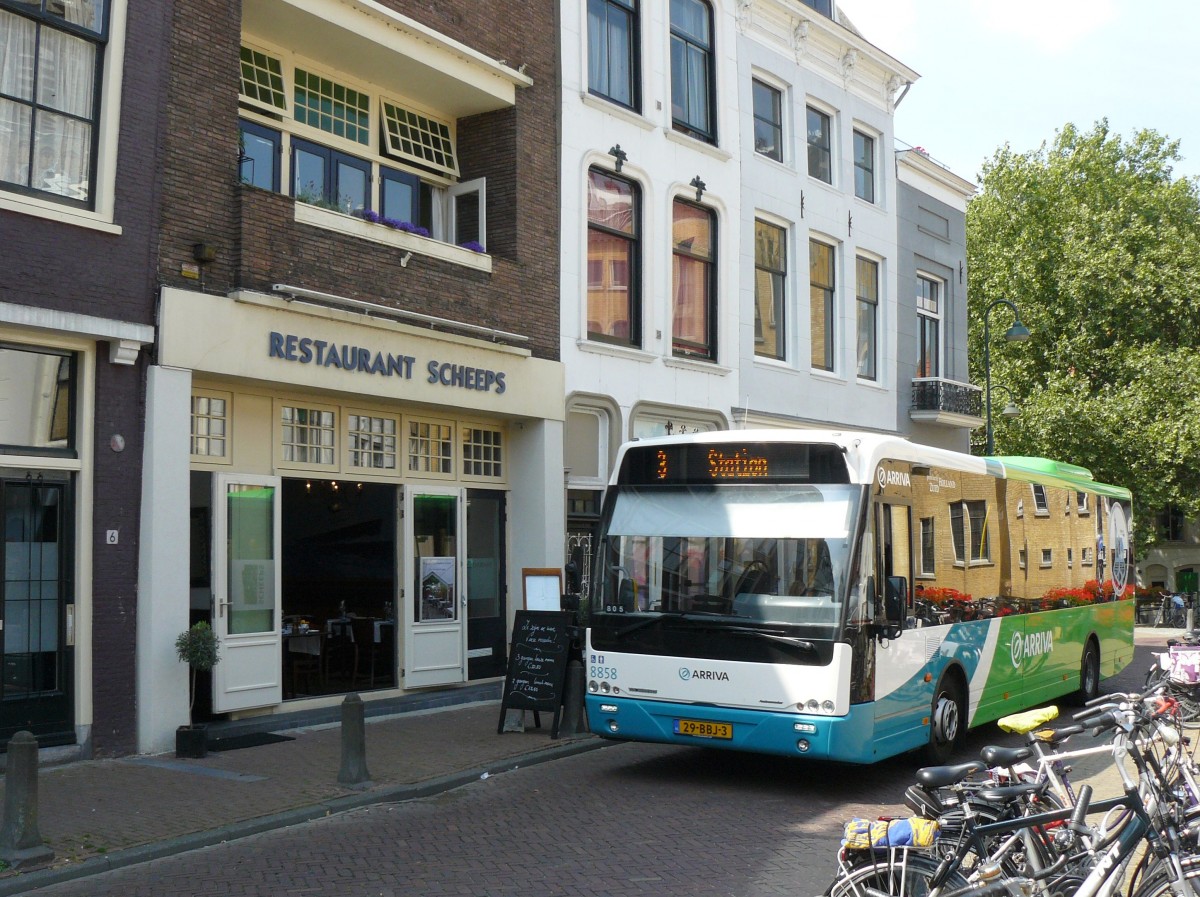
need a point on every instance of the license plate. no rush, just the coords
(699, 728)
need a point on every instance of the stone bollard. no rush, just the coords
(20, 841)
(574, 716)
(354, 745)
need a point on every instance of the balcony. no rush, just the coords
(946, 403)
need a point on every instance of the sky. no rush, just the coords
(1016, 72)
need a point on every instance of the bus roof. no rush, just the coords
(864, 450)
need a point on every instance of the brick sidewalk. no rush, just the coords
(101, 814)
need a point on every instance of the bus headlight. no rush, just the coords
(812, 705)
(593, 686)
(827, 706)
(604, 688)
(802, 745)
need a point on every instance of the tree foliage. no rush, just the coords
(1099, 247)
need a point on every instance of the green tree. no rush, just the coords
(1099, 247)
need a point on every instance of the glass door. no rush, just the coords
(486, 577)
(246, 588)
(38, 604)
(435, 594)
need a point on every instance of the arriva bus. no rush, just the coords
(846, 595)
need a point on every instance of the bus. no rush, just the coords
(847, 595)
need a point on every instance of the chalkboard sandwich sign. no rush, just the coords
(537, 664)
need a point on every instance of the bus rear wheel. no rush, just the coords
(1089, 673)
(947, 720)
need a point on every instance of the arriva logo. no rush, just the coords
(892, 478)
(1031, 644)
(710, 675)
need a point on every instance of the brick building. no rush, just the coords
(79, 144)
(355, 411)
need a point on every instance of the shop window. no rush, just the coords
(430, 448)
(372, 441)
(210, 426)
(307, 435)
(482, 452)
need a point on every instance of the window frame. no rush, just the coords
(226, 457)
(684, 42)
(680, 250)
(774, 123)
(865, 305)
(1041, 500)
(927, 556)
(929, 322)
(270, 135)
(100, 143)
(778, 281)
(633, 241)
(633, 59)
(864, 170)
(828, 303)
(963, 514)
(332, 159)
(819, 151)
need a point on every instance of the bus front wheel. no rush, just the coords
(947, 720)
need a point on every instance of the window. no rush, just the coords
(928, 543)
(821, 286)
(1081, 503)
(1047, 557)
(1085, 557)
(402, 197)
(768, 121)
(1022, 558)
(329, 179)
(260, 151)
(307, 435)
(867, 288)
(482, 452)
(694, 322)
(820, 146)
(372, 441)
(692, 69)
(824, 7)
(1170, 524)
(770, 269)
(331, 107)
(613, 245)
(968, 527)
(210, 421)
(864, 166)
(928, 327)
(1070, 557)
(416, 137)
(430, 447)
(1040, 504)
(51, 65)
(612, 51)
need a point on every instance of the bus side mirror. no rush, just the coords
(895, 605)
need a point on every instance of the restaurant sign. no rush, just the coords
(360, 359)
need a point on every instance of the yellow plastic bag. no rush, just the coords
(1021, 723)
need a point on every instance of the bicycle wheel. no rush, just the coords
(899, 873)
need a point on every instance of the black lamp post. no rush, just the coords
(1017, 333)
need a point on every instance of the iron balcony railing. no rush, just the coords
(939, 396)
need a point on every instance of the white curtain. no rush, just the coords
(62, 145)
(16, 79)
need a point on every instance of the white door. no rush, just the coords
(246, 589)
(435, 598)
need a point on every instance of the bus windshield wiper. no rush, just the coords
(693, 616)
(801, 643)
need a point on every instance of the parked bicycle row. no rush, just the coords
(1013, 823)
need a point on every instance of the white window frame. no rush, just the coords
(347, 412)
(940, 317)
(455, 456)
(786, 151)
(505, 451)
(1047, 558)
(277, 406)
(1042, 507)
(227, 397)
(832, 115)
(874, 137)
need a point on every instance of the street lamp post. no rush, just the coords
(1017, 333)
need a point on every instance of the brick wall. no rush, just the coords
(259, 243)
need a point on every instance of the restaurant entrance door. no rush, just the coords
(486, 578)
(37, 609)
(435, 599)
(246, 589)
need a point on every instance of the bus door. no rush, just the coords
(898, 661)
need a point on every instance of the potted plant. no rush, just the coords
(197, 647)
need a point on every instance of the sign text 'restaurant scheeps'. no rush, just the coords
(323, 353)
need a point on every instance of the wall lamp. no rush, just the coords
(399, 314)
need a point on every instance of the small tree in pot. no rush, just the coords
(197, 647)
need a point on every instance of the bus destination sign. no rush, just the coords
(732, 462)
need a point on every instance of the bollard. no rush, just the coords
(20, 841)
(574, 718)
(354, 745)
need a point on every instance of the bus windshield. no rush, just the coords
(759, 554)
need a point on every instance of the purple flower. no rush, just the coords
(368, 215)
(473, 246)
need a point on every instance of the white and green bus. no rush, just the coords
(847, 595)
